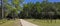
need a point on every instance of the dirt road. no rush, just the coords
(26, 23)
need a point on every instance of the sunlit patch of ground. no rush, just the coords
(44, 22)
(11, 23)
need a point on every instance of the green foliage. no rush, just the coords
(38, 7)
(5, 1)
(33, 10)
(12, 8)
(45, 10)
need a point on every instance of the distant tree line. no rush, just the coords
(38, 10)
(43, 10)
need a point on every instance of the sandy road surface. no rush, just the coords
(26, 23)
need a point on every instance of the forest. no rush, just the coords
(31, 10)
(43, 13)
(40, 10)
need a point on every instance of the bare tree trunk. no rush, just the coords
(50, 18)
(55, 20)
(2, 10)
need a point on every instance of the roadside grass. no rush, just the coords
(40, 22)
(10, 23)
(3, 21)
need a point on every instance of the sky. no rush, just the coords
(27, 1)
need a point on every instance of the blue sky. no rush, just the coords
(26, 1)
(54, 0)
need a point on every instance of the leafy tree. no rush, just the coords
(12, 8)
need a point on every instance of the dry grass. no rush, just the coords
(11, 23)
(44, 22)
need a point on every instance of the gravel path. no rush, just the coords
(26, 23)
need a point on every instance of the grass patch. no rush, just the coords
(3, 21)
(44, 22)
(9, 23)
